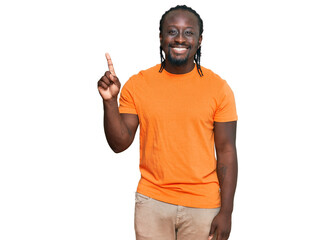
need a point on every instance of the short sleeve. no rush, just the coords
(226, 105)
(126, 100)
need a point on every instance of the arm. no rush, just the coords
(227, 170)
(119, 128)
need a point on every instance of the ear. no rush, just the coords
(200, 40)
(160, 36)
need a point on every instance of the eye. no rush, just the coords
(189, 33)
(172, 32)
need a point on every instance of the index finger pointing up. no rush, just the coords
(110, 64)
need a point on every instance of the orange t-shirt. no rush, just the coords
(176, 114)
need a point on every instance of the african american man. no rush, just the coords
(187, 117)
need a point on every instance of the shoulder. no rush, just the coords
(219, 85)
(139, 77)
(150, 72)
(213, 78)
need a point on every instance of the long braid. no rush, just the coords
(163, 62)
(197, 56)
(197, 59)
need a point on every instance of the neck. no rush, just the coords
(188, 67)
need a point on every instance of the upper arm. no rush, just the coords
(225, 136)
(131, 121)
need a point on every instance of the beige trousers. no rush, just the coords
(156, 220)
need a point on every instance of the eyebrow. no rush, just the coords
(175, 26)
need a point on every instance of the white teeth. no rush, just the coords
(180, 49)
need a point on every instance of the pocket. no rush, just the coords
(140, 198)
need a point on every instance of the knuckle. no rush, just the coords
(104, 79)
(224, 234)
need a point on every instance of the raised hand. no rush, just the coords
(109, 84)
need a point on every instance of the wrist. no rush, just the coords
(225, 212)
(111, 100)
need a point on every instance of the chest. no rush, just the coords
(182, 102)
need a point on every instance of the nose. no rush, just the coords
(180, 38)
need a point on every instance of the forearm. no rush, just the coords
(116, 132)
(227, 172)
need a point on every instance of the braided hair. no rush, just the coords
(197, 56)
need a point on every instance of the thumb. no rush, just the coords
(212, 231)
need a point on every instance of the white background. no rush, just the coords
(60, 180)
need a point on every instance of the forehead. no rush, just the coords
(181, 17)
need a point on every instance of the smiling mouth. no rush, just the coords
(179, 50)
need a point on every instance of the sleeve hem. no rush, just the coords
(127, 110)
(226, 119)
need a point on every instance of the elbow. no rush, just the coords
(120, 145)
(119, 148)
(116, 150)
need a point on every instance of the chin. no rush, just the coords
(177, 61)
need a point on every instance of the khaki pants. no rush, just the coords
(156, 220)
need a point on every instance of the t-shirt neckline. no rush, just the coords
(183, 75)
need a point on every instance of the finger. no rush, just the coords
(103, 85)
(116, 81)
(212, 232)
(110, 64)
(226, 237)
(222, 235)
(112, 79)
(109, 76)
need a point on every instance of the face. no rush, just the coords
(180, 37)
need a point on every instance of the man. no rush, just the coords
(183, 110)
